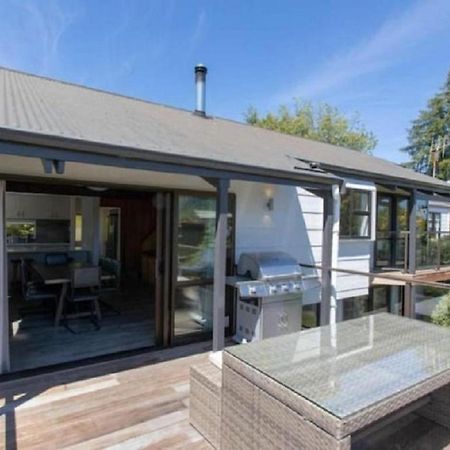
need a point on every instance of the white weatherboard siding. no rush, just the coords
(444, 210)
(354, 255)
(357, 254)
(294, 225)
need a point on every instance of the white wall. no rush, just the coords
(357, 254)
(294, 225)
(353, 255)
(444, 209)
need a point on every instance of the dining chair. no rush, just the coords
(85, 289)
(110, 274)
(57, 259)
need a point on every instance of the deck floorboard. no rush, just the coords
(139, 402)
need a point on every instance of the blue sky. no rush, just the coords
(380, 58)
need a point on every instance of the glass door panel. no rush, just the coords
(392, 223)
(195, 223)
(383, 238)
(402, 226)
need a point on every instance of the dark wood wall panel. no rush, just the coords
(138, 222)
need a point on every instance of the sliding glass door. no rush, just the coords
(392, 223)
(195, 222)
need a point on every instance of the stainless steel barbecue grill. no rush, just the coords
(269, 295)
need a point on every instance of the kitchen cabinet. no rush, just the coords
(36, 207)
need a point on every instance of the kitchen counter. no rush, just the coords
(39, 248)
(37, 252)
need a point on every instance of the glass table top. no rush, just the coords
(355, 364)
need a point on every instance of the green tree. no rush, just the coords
(322, 122)
(433, 123)
(441, 313)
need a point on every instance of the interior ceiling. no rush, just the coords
(83, 175)
(25, 174)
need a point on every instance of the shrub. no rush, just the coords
(441, 313)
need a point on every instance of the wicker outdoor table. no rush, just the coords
(326, 387)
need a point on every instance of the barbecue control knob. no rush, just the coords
(285, 288)
(273, 289)
(253, 290)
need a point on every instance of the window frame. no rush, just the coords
(358, 212)
(432, 222)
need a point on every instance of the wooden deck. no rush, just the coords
(139, 402)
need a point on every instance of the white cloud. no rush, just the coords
(394, 39)
(32, 31)
(197, 32)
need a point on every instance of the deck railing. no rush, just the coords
(432, 250)
(396, 293)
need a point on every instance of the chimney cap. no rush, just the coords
(200, 68)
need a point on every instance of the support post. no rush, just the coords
(410, 289)
(325, 299)
(327, 235)
(412, 211)
(4, 310)
(330, 249)
(220, 261)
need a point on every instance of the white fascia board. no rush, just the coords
(351, 183)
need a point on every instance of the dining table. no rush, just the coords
(58, 275)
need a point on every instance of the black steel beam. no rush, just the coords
(412, 218)
(220, 263)
(410, 289)
(142, 160)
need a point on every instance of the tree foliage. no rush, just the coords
(441, 313)
(433, 123)
(323, 123)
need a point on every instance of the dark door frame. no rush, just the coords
(174, 284)
(394, 200)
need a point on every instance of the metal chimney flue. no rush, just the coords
(200, 89)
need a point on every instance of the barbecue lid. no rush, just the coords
(265, 265)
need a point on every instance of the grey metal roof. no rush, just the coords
(43, 111)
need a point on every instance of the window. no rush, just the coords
(311, 316)
(78, 229)
(355, 214)
(20, 232)
(434, 222)
(356, 307)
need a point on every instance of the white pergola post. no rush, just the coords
(330, 252)
(4, 306)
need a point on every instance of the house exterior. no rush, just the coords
(83, 154)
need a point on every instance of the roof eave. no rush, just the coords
(31, 144)
(389, 179)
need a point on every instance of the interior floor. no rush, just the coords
(127, 324)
